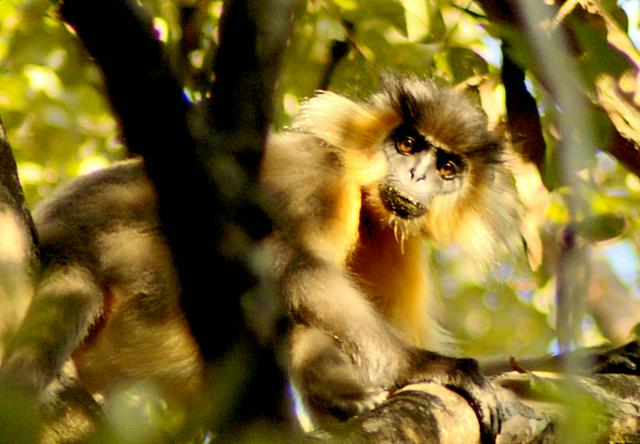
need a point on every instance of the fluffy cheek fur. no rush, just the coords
(481, 218)
(356, 128)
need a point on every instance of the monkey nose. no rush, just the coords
(415, 176)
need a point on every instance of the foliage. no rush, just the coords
(53, 107)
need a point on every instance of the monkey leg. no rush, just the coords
(327, 378)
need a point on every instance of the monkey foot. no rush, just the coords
(624, 359)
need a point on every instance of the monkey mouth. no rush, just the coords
(400, 204)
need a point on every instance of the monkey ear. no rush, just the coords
(353, 126)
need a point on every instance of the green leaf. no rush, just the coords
(602, 227)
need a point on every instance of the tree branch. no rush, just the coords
(523, 118)
(431, 413)
(205, 170)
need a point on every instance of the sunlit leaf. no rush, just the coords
(43, 79)
(417, 15)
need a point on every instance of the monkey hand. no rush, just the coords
(462, 376)
(624, 359)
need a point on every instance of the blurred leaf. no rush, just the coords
(417, 15)
(601, 227)
(614, 20)
(597, 55)
(463, 63)
(19, 422)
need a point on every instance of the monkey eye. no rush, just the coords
(449, 165)
(406, 145)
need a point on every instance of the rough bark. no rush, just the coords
(536, 409)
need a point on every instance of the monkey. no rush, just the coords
(373, 179)
(356, 187)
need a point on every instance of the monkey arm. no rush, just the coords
(324, 296)
(344, 356)
(66, 303)
(346, 359)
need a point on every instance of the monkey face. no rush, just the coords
(438, 152)
(418, 171)
(423, 156)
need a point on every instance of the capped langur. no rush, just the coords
(358, 185)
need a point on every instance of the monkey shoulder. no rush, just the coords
(302, 174)
(300, 157)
